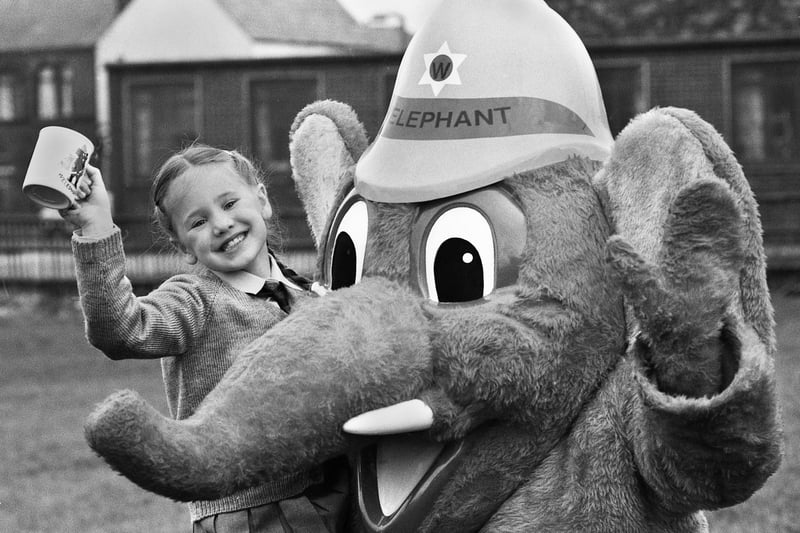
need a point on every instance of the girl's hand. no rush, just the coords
(91, 213)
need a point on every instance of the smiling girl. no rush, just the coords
(214, 209)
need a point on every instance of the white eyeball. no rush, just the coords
(459, 256)
(347, 244)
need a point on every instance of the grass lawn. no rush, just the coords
(774, 508)
(49, 380)
(51, 481)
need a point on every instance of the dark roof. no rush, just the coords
(647, 21)
(310, 21)
(48, 24)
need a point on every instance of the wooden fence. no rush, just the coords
(37, 251)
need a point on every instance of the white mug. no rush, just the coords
(57, 164)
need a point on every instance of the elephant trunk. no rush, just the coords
(158, 454)
(280, 408)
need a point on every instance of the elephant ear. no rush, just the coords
(326, 139)
(656, 156)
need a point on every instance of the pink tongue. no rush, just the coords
(402, 462)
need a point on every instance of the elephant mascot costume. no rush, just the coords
(533, 326)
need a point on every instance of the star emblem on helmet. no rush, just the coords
(441, 68)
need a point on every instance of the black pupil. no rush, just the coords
(343, 263)
(458, 271)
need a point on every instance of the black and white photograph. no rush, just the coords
(399, 266)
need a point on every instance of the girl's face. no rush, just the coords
(220, 219)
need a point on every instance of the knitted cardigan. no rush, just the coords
(196, 324)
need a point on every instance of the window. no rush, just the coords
(275, 104)
(10, 180)
(55, 92)
(389, 79)
(162, 120)
(12, 97)
(46, 94)
(9, 185)
(623, 94)
(766, 111)
(67, 92)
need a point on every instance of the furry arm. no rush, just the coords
(707, 453)
(683, 309)
(705, 433)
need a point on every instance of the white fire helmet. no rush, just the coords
(485, 89)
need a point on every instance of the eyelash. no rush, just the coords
(228, 205)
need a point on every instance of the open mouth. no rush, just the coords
(233, 242)
(399, 478)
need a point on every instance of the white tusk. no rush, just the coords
(403, 417)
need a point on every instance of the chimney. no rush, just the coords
(393, 24)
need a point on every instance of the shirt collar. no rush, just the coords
(251, 283)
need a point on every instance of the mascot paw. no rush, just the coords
(700, 259)
(704, 237)
(683, 306)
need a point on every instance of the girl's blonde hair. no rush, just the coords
(194, 156)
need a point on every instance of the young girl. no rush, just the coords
(214, 209)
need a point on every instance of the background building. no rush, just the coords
(735, 62)
(153, 76)
(146, 77)
(234, 75)
(46, 77)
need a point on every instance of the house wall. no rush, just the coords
(699, 78)
(695, 77)
(224, 118)
(18, 136)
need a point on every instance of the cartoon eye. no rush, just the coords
(463, 248)
(459, 256)
(347, 246)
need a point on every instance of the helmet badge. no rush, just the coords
(441, 68)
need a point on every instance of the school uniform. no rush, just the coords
(197, 324)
